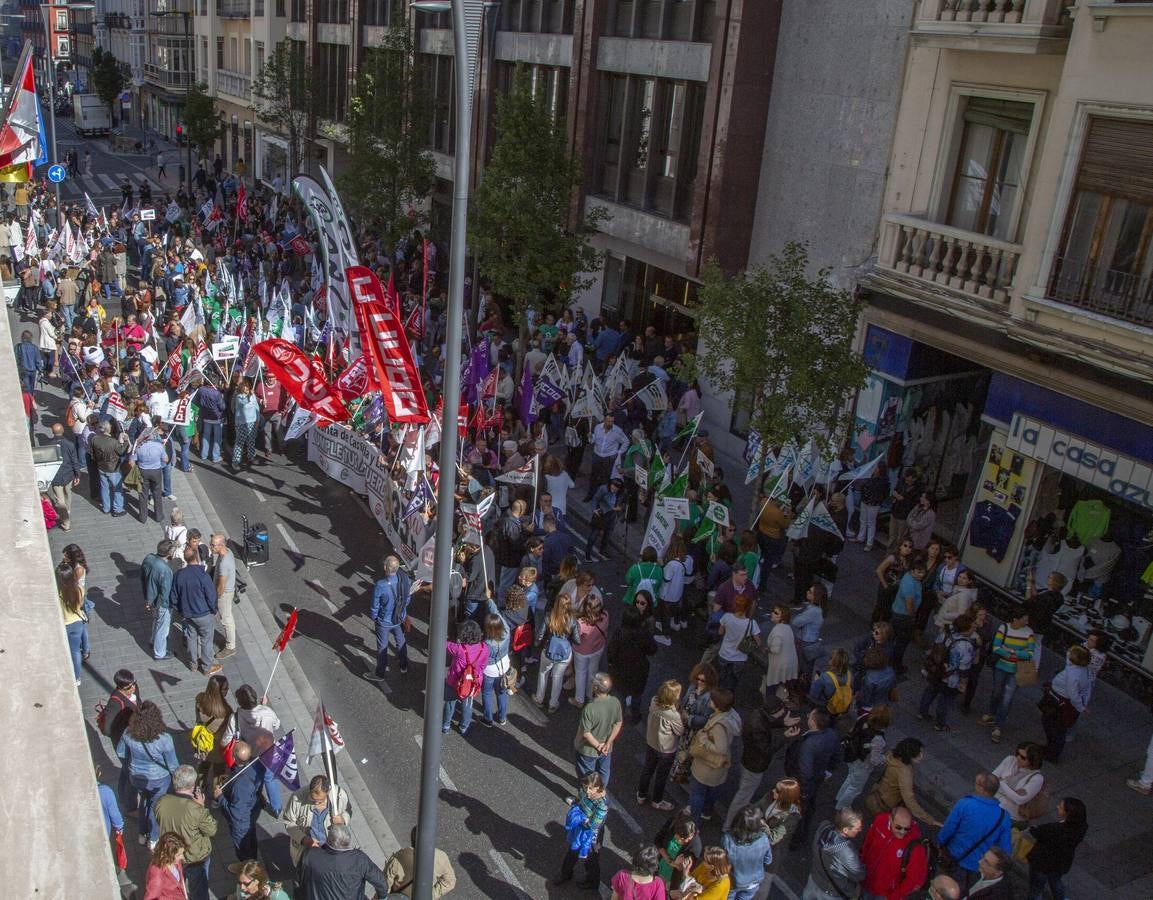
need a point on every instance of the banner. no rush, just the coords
(116, 407)
(280, 760)
(719, 513)
(178, 412)
(303, 378)
(226, 348)
(641, 477)
(526, 474)
(384, 342)
(662, 525)
(302, 420)
(325, 735)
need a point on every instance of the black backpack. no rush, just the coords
(931, 860)
(855, 744)
(935, 668)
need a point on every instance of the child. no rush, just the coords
(583, 824)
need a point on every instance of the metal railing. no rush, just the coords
(1108, 292)
(161, 76)
(234, 9)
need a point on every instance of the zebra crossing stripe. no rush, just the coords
(109, 181)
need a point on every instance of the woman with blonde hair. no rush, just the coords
(561, 633)
(713, 877)
(662, 736)
(252, 882)
(75, 618)
(165, 877)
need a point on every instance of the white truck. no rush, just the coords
(91, 115)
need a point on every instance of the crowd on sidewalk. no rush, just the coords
(146, 390)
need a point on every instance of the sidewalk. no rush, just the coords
(1110, 743)
(121, 638)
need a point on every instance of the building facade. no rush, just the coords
(1010, 317)
(168, 64)
(120, 28)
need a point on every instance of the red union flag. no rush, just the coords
(357, 380)
(303, 378)
(382, 336)
(300, 245)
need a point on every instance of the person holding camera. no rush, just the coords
(183, 812)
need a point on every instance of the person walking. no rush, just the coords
(164, 879)
(837, 870)
(608, 443)
(75, 617)
(600, 726)
(974, 824)
(896, 785)
(711, 753)
(761, 733)
(1013, 644)
(151, 458)
(336, 870)
(194, 597)
(662, 735)
(946, 668)
(183, 813)
(156, 575)
(809, 759)
(593, 623)
(864, 752)
(67, 476)
(389, 613)
(147, 749)
(1056, 843)
(468, 655)
(896, 860)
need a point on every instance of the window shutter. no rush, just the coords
(1116, 159)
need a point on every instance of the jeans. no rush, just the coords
(271, 432)
(854, 783)
(1055, 734)
(494, 684)
(809, 791)
(149, 794)
(584, 668)
(655, 774)
(867, 531)
(196, 878)
(554, 671)
(166, 478)
(1004, 687)
(450, 710)
(508, 575)
(602, 764)
(944, 695)
(160, 627)
(729, 673)
(1037, 882)
(383, 630)
(111, 492)
(200, 634)
(701, 799)
(747, 788)
(181, 444)
(745, 892)
(68, 311)
(153, 483)
(902, 635)
(75, 632)
(81, 453)
(210, 434)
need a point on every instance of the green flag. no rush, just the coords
(677, 488)
(706, 530)
(657, 472)
(690, 428)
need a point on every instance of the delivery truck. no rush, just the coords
(91, 115)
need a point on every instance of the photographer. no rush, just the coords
(183, 811)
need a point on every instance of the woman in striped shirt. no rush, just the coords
(1013, 643)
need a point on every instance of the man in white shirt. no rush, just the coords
(608, 441)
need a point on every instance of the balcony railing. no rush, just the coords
(1022, 26)
(1109, 292)
(968, 264)
(233, 84)
(234, 9)
(159, 75)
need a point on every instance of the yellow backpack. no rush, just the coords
(842, 697)
(202, 739)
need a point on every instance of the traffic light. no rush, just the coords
(179, 132)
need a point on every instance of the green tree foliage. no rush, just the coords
(282, 98)
(520, 223)
(782, 344)
(202, 121)
(389, 173)
(108, 78)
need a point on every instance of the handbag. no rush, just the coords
(702, 749)
(119, 853)
(748, 644)
(133, 481)
(1039, 806)
(1023, 844)
(1026, 673)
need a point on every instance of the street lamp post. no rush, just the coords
(467, 16)
(46, 10)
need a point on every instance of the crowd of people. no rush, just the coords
(144, 394)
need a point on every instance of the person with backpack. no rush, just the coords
(468, 655)
(111, 720)
(561, 632)
(644, 575)
(863, 749)
(896, 785)
(895, 855)
(946, 666)
(498, 639)
(389, 613)
(518, 617)
(833, 689)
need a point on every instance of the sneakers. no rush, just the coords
(995, 736)
(1135, 785)
(663, 806)
(373, 676)
(226, 652)
(169, 496)
(216, 667)
(502, 722)
(987, 720)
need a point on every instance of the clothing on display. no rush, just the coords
(1089, 519)
(992, 529)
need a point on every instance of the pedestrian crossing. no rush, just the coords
(104, 187)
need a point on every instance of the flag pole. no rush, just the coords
(279, 653)
(535, 481)
(253, 761)
(689, 442)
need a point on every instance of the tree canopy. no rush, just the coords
(108, 78)
(282, 99)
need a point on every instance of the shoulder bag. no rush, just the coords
(748, 644)
(828, 877)
(1039, 806)
(949, 862)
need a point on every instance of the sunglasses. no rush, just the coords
(898, 829)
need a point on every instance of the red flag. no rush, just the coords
(382, 337)
(357, 380)
(303, 378)
(242, 203)
(414, 324)
(286, 632)
(300, 245)
(392, 296)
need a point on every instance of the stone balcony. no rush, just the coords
(1006, 26)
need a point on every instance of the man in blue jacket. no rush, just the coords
(194, 597)
(240, 800)
(976, 823)
(810, 759)
(213, 409)
(156, 577)
(390, 599)
(29, 362)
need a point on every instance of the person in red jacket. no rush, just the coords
(896, 862)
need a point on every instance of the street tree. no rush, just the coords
(108, 78)
(782, 344)
(521, 229)
(389, 173)
(282, 99)
(202, 121)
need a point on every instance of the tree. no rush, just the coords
(202, 121)
(520, 228)
(389, 173)
(282, 99)
(107, 78)
(782, 344)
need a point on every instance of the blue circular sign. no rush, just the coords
(56, 174)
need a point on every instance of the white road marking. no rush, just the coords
(506, 871)
(444, 779)
(108, 181)
(259, 496)
(323, 592)
(630, 823)
(284, 533)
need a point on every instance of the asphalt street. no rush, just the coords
(110, 170)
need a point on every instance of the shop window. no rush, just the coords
(1105, 263)
(987, 179)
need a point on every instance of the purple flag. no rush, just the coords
(547, 393)
(524, 398)
(375, 412)
(420, 499)
(477, 370)
(280, 759)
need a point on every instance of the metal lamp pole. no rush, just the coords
(50, 68)
(467, 18)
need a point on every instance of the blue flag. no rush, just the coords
(280, 760)
(421, 497)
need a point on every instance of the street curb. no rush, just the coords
(371, 829)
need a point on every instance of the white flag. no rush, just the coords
(526, 474)
(820, 518)
(302, 420)
(325, 735)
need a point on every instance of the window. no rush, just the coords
(549, 16)
(298, 11)
(246, 59)
(61, 20)
(259, 59)
(1105, 263)
(332, 11)
(331, 75)
(233, 57)
(987, 179)
(662, 20)
(549, 85)
(280, 12)
(378, 12)
(438, 82)
(220, 53)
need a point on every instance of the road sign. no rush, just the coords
(56, 174)
(147, 215)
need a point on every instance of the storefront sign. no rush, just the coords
(1122, 476)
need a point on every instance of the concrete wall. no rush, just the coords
(835, 89)
(55, 844)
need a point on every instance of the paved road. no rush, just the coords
(110, 170)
